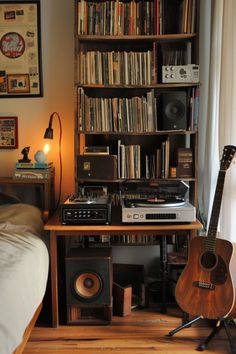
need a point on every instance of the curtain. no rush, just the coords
(217, 123)
(227, 121)
(210, 69)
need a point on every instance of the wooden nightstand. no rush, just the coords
(45, 188)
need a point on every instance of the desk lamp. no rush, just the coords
(49, 135)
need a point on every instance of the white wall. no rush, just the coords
(57, 28)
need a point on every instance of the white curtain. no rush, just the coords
(217, 123)
(210, 68)
(227, 121)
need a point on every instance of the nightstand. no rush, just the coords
(44, 187)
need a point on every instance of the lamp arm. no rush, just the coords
(59, 149)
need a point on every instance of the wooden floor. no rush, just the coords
(142, 332)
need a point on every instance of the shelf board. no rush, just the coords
(141, 87)
(135, 243)
(155, 37)
(159, 132)
(134, 180)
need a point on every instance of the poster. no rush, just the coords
(20, 49)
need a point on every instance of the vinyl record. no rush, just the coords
(156, 200)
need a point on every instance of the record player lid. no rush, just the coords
(166, 189)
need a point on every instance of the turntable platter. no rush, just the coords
(155, 202)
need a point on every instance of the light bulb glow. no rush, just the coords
(46, 148)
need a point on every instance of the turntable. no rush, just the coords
(81, 209)
(159, 203)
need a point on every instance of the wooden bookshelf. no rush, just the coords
(120, 48)
(121, 100)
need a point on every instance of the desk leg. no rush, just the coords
(164, 271)
(54, 283)
(46, 200)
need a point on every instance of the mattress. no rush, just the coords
(24, 264)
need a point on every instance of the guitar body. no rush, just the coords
(207, 285)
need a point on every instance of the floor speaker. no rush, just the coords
(174, 111)
(89, 286)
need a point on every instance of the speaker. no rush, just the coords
(89, 285)
(174, 110)
(97, 166)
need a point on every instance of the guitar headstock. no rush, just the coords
(227, 157)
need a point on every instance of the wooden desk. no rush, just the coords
(45, 186)
(116, 228)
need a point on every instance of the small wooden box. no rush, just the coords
(122, 298)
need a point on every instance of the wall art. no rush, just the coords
(8, 133)
(20, 49)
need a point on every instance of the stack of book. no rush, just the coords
(33, 170)
(185, 163)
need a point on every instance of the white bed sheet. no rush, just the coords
(24, 264)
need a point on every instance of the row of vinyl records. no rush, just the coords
(134, 239)
(156, 164)
(136, 17)
(129, 67)
(111, 239)
(117, 68)
(137, 114)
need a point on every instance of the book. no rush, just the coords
(33, 173)
(32, 165)
(185, 163)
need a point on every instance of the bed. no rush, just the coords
(24, 264)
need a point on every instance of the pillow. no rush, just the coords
(8, 199)
(22, 214)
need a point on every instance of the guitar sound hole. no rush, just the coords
(208, 260)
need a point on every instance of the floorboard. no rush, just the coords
(143, 332)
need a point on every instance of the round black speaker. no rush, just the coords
(87, 285)
(175, 110)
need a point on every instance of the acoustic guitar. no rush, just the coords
(207, 285)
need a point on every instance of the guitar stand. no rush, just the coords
(219, 324)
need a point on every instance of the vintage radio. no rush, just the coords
(180, 73)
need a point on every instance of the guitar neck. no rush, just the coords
(212, 231)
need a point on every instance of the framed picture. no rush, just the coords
(8, 133)
(20, 49)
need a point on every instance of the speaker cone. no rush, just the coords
(175, 109)
(88, 285)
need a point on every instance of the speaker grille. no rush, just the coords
(174, 111)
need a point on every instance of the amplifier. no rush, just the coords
(86, 210)
(97, 166)
(180, 73)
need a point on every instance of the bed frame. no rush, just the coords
(28, 331)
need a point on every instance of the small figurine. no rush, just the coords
(25, 153)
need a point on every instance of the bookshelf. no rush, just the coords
(122, 100)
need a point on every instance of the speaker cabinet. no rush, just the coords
(97, 166)
(174, 110)
(89, 286)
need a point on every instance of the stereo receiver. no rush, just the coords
(180, 73)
